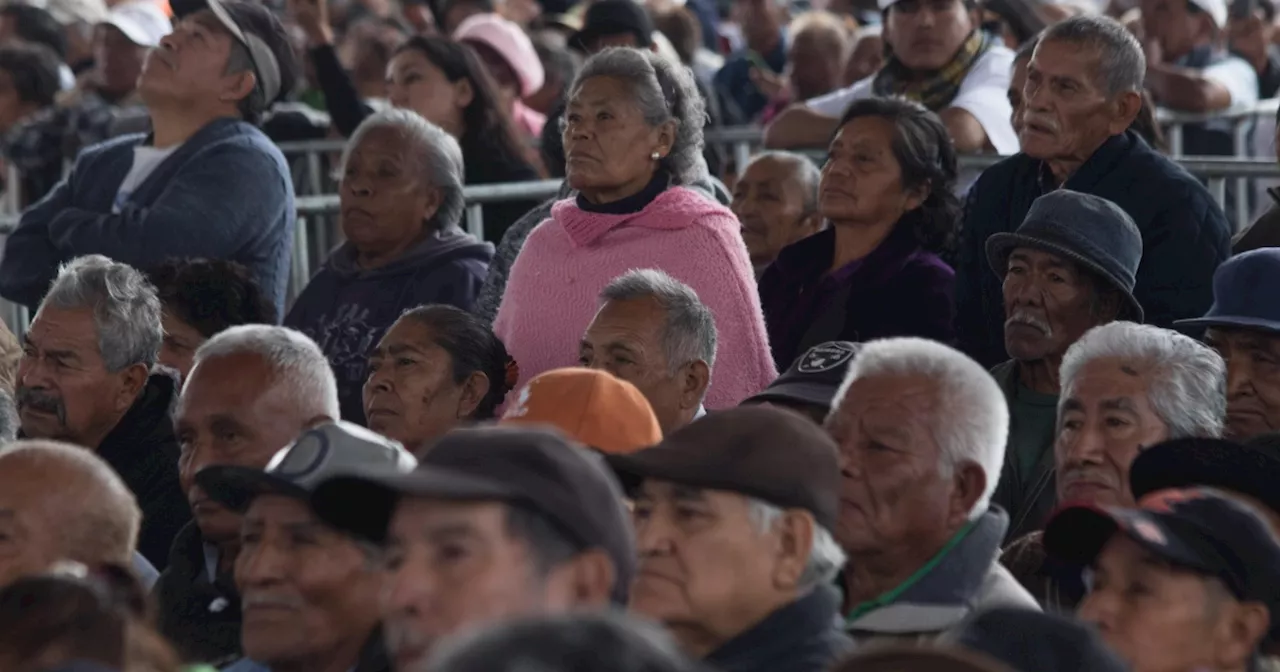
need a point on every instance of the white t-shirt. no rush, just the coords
(984, 93)
(1238, 77)
(145, 160)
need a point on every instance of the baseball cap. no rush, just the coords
(1216, 463)
(260, 32)
(592, 407)
(506, 38)
(1199, 529)
(1031, 640)
(813, 378)
(770, 453)
(534, 467)
(319, 453)
(614, 17)
(67, 12)
(141, 21)
(919, 658)
(1216, 9)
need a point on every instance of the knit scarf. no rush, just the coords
(940, 87)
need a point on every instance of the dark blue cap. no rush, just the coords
(813, 378)
(1032, 641)
(1244, 289)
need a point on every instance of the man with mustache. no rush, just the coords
(1125, 387)
(1083, 91)
(86, 378)
(251, 391)
(1067, 269)
(1244, 327)
(776, 199)
(308, 593)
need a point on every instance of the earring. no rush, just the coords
(655, 156)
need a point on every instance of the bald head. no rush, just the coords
(61, 502)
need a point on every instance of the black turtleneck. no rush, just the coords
(633, 203)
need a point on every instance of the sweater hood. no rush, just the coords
(443, 246)
(676, 208)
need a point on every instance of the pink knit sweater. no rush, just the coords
(552, 292)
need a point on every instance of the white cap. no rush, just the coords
(141, 21)
(68, 12)
(1216, 9)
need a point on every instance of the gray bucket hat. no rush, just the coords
(1084, 228)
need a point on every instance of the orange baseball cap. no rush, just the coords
(592, 407)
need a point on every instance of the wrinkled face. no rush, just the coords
(607, 143)
(1017, 83)
(28, 533)
(1049, 302)
(1104, 420)
(769, 200)
(190, 65)
(1173, 26)
(926, 34)
(866, 59)
(12, 108)
(384, 197)
(703, 561)
(1066, 114)
(64, 390)
(454, 566)
(1159, 619)
(815, 62)
(894, 488)
(233, 411)
(625, 339)
(862, 180)
(415, 83)
(411, 395)
(1253, 380)
(181, 340)
(117, 59)
(306, 590)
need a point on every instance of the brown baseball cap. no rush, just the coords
(766, 452)
(594, 408)
(532, 467)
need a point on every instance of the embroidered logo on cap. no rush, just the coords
(825, 357)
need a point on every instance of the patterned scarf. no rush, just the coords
(940, 87)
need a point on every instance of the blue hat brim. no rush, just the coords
(1000, 245)
(1241, 321)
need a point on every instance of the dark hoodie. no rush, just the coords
(346, 309)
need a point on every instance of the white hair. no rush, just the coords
(126, 308)
(690, 332)
(1186, 380)
(826, 558)
(295, 359)
(806, 171)
(439, 156)
(971, 423)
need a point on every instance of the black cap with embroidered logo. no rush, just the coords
(813, 378)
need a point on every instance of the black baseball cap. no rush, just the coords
(770, 453)
(261, 33)
(614, 17)
(1215, 463)
(1033, 641)
(1200, 529)
(534, 467)
(813, 378)
(315, 456)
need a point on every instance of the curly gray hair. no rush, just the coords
(126, 308)
(664, 91)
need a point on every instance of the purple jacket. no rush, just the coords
(899, 289)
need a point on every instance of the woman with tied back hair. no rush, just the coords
(436, 369)
(632, 135)
(888, 195)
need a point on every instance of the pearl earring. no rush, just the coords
(655, 156)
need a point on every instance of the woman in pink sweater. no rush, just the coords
(632, 138)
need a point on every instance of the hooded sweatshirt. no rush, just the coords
(346, 309)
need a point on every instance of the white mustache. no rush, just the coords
(269, 600)
(1043, 122)
(1031, 320)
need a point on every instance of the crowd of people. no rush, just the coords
(876, 412)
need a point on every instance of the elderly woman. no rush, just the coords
(437, 368)
(887, 193)
(633, 141)
(400, 201)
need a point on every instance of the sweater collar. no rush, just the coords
(633, 203)
(674, 208)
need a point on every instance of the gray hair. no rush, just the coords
(438, 154)
(826, 558)
(690, 331)
(1121, 64)
(807, 173)
(819, 22)
(1187, 380)
(8, 417)
(971, 420)
(664, 92)
(126, 309)
(298, 363)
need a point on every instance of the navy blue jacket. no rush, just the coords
(1185, 235)
(226, 193)
(346, 309)
(804, 636)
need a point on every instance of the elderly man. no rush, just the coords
(251, 391)
(653, 332)
(309, 593)
(1124, 387)
(594, 408)
(776, 199)
(1244, 327)
(925, 38)
(1084, 89)
(735, 539)
(61, 502)
(85, 378)
(809, 387)
(1068, 268)
(921, 430)
(1184, 581)
(495, 523)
